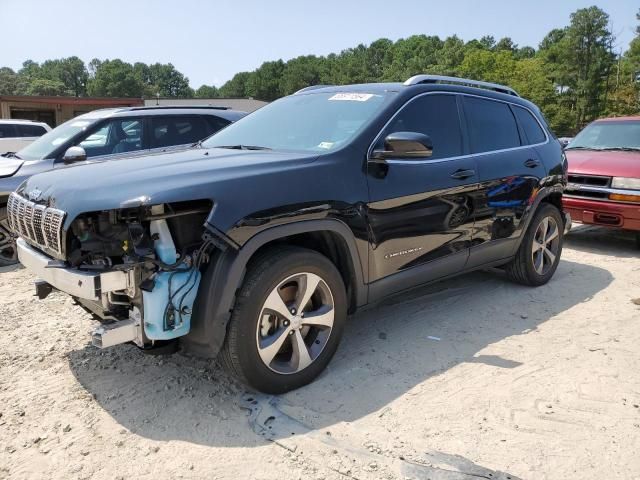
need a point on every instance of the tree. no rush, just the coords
(236, 87)
(115, 78)
(8, 81)
(207, 91)
(168, 82)
(264, 83)
(506, 44)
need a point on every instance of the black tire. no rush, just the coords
(7, 253)
(240, 355)
(521, 269)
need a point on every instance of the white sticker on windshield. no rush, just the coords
(326, 145)
(352, 97)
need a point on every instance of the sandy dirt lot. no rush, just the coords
(458, 380)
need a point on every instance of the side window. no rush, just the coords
(215, 124)
(491, 125)
(435, 116)
(530, 125)
(177, 130)
(6, 130)
(30, 130)
(115, 136)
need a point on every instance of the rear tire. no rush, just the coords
(287, 321)
(7, 246)
(539, 253)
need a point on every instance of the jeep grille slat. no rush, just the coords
(37, 224)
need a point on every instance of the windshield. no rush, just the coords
(317, 122)
(609, 135)
(44, 146)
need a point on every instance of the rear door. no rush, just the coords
(509, 172)
(419, 214)
(174, 132)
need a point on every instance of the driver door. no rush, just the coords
(420, 210)
(115, 138)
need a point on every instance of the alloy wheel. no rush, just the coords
(295, 323)
(546, 242)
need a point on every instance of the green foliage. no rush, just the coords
(573, 76)
(207, 91)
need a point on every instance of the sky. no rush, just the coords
(211, 40)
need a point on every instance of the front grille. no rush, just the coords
(592, 180)
(39, 225)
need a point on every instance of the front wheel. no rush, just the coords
(7, 245)
(287, 321)
(539, 253)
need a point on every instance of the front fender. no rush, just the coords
(225, 274)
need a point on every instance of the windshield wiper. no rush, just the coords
(243, 147)
(623, 149)
(11, 155)
(581, 148)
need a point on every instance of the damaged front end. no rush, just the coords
(137, 269)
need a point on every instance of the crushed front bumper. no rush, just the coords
(77, 283)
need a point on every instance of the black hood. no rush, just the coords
(153, 179)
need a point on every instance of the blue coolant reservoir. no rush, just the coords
(157, 325)
(160, 321)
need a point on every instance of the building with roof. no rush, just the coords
(57, 110)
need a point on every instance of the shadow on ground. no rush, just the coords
(387, 350)
(594, 239)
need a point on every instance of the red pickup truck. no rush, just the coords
(604, 174)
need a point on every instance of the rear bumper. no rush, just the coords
(598, 212)
(77, 283)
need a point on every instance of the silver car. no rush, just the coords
(108, 134)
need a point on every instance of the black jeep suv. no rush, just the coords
(257, 245)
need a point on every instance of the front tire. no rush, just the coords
(287, 321)
(539, 253)
(8, 254)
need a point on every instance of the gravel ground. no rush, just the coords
(540, 383)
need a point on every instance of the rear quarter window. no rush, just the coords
(532, 130)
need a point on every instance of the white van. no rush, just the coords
(17, 134)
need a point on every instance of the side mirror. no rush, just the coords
(564, 142)
(405, 145)
(74, 154)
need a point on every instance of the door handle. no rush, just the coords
(463, 174)
(531, 163)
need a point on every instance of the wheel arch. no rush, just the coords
(226, 271)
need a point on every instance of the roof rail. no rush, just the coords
(181, 107)
(496, 87)
(312, 87)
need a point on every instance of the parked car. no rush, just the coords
(259, 243)
(17, 134)
(604, 174)
(107, 134)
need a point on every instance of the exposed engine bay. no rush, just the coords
(162, 249)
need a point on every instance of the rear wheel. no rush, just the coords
(287, 321)
(7, 246)
(539, 254)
